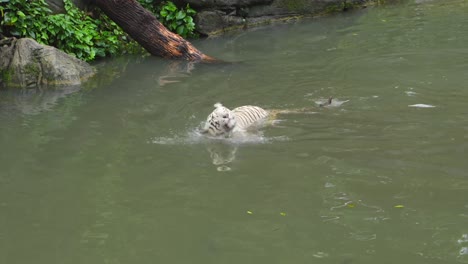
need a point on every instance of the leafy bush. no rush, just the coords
(176, 20)
(22, 18)
(78, 34)
(73, 32)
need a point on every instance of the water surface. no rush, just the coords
(118, 174)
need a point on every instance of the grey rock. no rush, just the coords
(26, 63)
(218, 16)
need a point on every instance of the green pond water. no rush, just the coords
(117, 173)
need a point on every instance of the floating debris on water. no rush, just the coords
(410, 93)
(464, 251)
(223, 168)
(330, 102)
(422, 105)
(320, 254)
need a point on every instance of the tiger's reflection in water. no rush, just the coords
(223, 150)
(222, 155)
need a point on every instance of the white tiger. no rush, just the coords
(224, 122)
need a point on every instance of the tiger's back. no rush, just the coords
(248, 115)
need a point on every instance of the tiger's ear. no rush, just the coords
(218, 105)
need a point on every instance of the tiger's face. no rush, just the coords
(220, 122)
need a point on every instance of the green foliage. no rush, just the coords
(73, 32)
(178, 20)
(78, 34)
(22, 18)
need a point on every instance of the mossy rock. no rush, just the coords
(295, 5)
(26, 63)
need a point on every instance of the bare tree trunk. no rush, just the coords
(144, 28)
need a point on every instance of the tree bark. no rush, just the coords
(144, 28)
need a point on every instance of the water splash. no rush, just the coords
(222, 150)
(194, 136)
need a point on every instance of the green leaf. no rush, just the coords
(180, 30)
(170, 6)
(188, 19)
(180, 15)
(173, 25)
(20, 13)
(190, 11)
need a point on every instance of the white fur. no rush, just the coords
(222, 121)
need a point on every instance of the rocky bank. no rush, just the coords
(218, 16)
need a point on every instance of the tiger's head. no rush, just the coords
(220, 122)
